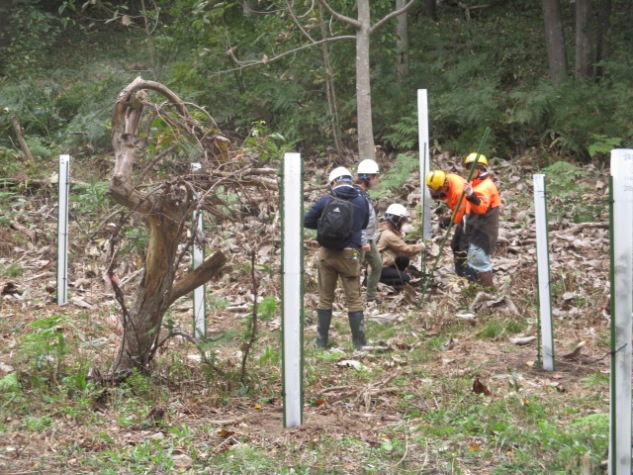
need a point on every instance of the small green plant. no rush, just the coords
(45, 344)
(12, 270)
(136, 239)
(270, 356)
(264, 144)
(491, 331)
(90, 199)
(267, 308)
(596, 380)
(9, 383)
(38, 424)
(140, 385)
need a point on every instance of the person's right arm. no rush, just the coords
(399, 247)
(311, 218)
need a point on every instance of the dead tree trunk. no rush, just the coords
(166, 210)
(20, 135)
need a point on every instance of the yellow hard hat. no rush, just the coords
(473, 156)
(436, 179)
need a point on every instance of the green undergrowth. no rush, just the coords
(426, 416)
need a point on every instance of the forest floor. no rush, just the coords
(453, 383)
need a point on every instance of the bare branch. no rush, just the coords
(297, 22)
(395, 13)
(244, 65)
(350, 21)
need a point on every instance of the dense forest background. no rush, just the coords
(263, 68)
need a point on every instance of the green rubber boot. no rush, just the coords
(323, 326)
(357, 325)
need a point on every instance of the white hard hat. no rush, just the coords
(338, 173)
(397, 210)
(367, 167)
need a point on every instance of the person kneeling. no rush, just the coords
(393, 248)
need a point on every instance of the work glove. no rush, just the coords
(445, 223)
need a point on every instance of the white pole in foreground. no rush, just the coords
(292, 289)
(544, 288)
(199, 319)
(62, 229)
(423, 140)
(621, 308)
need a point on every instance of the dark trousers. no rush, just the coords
(459, 245)
(395, 274)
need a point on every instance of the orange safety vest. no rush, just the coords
(488, 195)
(454, 193)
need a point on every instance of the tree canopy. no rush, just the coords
(256, 62)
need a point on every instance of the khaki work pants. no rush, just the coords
(346, 265)
(374, 259)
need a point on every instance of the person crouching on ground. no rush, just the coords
(339, 252)
(393, 248)
(482, 219)
(367, 178)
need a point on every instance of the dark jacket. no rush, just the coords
(361, 212)
(482, 218)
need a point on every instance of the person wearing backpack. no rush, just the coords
(339, 218)
(366, 178)
(394, 249)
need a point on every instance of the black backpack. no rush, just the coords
(336, 223)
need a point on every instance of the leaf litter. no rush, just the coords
(340, 410)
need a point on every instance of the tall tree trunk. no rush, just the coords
(247, 9)
(330, 90)
(402, 42)
(583, 56)
(430, 9)
(364, 30)
(5, 37)
(366, 145)
(603, 29)
(555, 40)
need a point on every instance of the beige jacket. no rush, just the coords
(391, 245)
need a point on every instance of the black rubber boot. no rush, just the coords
(357, 325)
(470, 274)
(323, 326)
(460, 264)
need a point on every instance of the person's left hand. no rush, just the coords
(366, 247)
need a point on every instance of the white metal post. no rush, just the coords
(62, 229)
(199, 317)
(197, 258)
(544, 288)
(423, 142)
(292, 289)
(622, 306)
